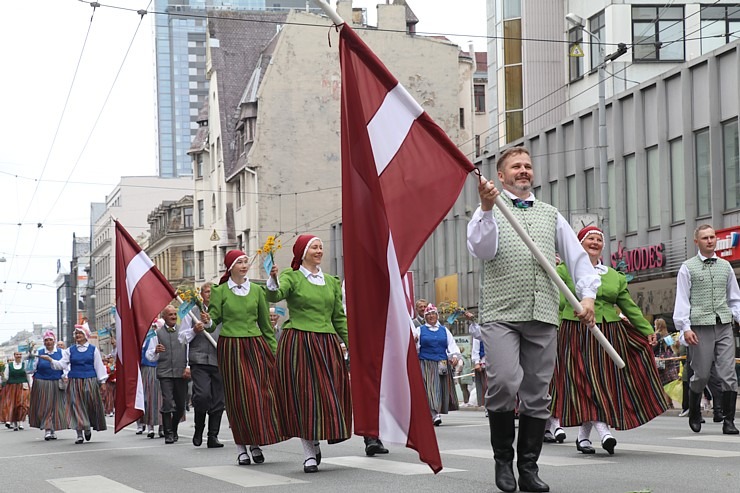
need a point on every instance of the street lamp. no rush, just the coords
(577, 22)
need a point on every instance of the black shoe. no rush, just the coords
(88, 435)
(310, 469)
(213, 442)
(528, 448)
(560, 435)
(608, 444)
(437, 420)
(257, 455)
(79, 440)
(214, 425)
(374, 446)
(200, 425)
(549, 438)
(718, 417)
(243, 459)
(695, 419)
(150, 434)
(586, 448)
(502, 440)
(729, 401)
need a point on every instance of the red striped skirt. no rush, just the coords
(441, 393)
(315, 397)
(86, 405)
(248, 369)
(49, 409)
(152, 396)
(587, 385)
(14, 404)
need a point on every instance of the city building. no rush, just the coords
(170, 244)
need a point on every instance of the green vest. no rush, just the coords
(514, 288)
(708, 296)
(17, 376)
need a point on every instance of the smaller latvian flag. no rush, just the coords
(141, 294)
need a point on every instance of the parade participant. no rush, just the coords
(438, 354)
(519, 313)
(15, 398)
(49, 410)
(707, 299)
(208, 387)
(246, 358)
(173, 372)
(587, 388)
(315, 397)
(109, 396)
(87, 375)
(150, 384)
(420, 306)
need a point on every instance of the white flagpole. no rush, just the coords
(195, 321)
(330, 12)
(545, 264)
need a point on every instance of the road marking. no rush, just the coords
(90, 484)
(708, 438)
(246, 477)
(81, 450)
(386, 466)
(660, 449)
(543, 460)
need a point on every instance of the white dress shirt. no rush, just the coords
(682, 308)
(483, 244)
(317, 279)
(63, 364)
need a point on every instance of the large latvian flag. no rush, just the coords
(401, 175)
(141, 294)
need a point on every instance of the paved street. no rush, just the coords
(663, 456)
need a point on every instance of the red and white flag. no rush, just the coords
(141, 294)
(401, 175)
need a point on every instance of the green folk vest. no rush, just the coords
(708, 296)
(514, 288)
(17, 376)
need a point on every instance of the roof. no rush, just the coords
(410, 16)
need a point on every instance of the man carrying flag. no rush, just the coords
(141, 293)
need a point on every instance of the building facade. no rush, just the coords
(170, 244)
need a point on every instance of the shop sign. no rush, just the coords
(728, 243)
(640, 258)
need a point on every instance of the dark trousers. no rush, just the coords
(208, 388)
(174, 394)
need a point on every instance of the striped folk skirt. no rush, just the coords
(315, 396)
(152, 396)
(86, 405)
(109, 397)
(49, 406)
(441, 394)
(248, 369)
(14, 403)
(587, 385)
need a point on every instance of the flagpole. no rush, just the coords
(195, 321)
(330, 12)
(550, 270)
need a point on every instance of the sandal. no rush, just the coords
(245, 461)
(312, 468)
(257, 455)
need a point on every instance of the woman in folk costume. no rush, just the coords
(87, 374)
(315, 397)
(150, 383)
(587, 388)
(49, 408)
(436, 346)
(246, 358)
(14, 405)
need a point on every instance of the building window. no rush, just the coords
(630, 185)
(658, 34)
(213, 208)
(479, 96)
(590, 190)
(462, 117)
(199, 165)
(575, 67)
(201, 265)
(719, 25)
(511, 76)
(187, 217)
(187, 263)
(597, 26)
(732, 170)
(554, 195)
(678, 200)
(653, 172)
(201, 214)
(703, 183)
(570, 183)
(214, 260)
(238, 192)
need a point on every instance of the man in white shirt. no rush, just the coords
(707, 299)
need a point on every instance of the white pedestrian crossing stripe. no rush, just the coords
(385, 466)
(694, 452)
(246, 477)
(90, 484)
(544, 460)
(708, 438)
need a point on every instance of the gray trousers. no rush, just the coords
(520, 360)
(716, 345)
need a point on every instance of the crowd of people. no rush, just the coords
(531, 357)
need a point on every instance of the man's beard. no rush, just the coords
(519, 188)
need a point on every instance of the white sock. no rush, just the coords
(241, 449)
(553, 424)
(309, 452)
(584, 431)
(603, 429)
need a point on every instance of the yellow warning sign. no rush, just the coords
(214, 236)
(576, 50)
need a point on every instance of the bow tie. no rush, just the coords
(239, 286)
(522, 204)
(170, 329)
(712, 260)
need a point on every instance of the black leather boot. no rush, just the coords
(200, 425)
(502, 442)
(214, 425)
(528, 448)
(374, 446)
(176, 417)
(169, 437)
(729, 400)
(695, 411)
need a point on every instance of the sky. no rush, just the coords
(79, 112)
